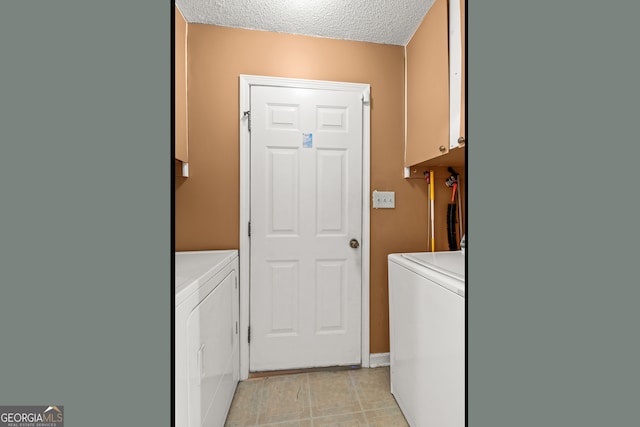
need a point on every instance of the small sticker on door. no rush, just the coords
(307, 140)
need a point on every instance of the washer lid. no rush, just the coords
(448, 263)
(195, 268)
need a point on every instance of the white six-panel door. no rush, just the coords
(306, 208)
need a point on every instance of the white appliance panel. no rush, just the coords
(207, 345)
(427, 331)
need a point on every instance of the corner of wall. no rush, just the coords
(377, 360)
(405, 104)
(186, 74)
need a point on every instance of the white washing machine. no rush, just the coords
(206, 336)
(427, 337)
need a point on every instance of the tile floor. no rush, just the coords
(345, 398)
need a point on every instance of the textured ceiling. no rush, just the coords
(377, 21)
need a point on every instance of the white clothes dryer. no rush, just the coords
(206, 336)
(427, 337)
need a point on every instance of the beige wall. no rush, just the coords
(207, 203)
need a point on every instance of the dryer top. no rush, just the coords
(449, 263)
(200, 266)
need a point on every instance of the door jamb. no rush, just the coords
(246, 81)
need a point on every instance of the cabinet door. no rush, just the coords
(463, 14)
(427, 56)
(180, 87)
(456, 73)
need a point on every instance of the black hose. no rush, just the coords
(451, 227)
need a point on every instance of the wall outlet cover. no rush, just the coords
(384, 199)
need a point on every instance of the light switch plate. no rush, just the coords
(384, 199)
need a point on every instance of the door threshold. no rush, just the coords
(263, 374)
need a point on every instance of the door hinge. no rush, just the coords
(236, 328)
(236, 282)
(249, 229)
(247, 114)
(249, 335)
(366, 96)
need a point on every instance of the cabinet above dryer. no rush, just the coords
(180, 79)
(435, 87)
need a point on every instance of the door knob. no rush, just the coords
(354, 243)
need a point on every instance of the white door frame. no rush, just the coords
(246, 81)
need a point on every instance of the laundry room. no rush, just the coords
(268, 187)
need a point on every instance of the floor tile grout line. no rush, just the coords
(285, 422)
(309, 401)
(260, 398)
(353, 383)
(348, 373)
(279, 423)
(306, 377)
(303, 386)
(339, 415)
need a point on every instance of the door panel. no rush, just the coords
(331, 197)
(283, 284)
(331, 297)
(283, 201)
(306, 205)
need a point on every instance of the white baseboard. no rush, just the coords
(379, 359)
